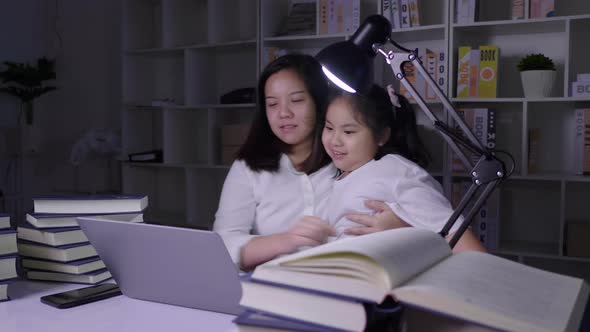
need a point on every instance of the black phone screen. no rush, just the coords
(81, 296)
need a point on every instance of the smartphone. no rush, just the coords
(80, 296)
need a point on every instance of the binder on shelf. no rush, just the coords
(151, 156)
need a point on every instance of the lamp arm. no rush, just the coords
(487, 172)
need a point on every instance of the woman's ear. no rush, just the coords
(385, 136)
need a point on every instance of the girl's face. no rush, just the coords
(349, 143)
(290, 109)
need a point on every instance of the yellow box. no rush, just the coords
(488, 71)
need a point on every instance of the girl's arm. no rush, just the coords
(467, 242)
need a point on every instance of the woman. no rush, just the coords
(276, 186)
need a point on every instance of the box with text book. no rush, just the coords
(327, 285)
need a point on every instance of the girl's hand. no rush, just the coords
(383, 219)
(309, 232)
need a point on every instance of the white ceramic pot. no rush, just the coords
(537, 83)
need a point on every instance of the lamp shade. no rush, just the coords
(349, 64)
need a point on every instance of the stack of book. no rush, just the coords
(8, 254)
(335, 286)
(54, 248)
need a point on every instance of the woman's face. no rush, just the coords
(290, 109)
(349, 143)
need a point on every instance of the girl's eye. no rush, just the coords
(328, 128)
(297, 100)
(348, 132)
(271, 105)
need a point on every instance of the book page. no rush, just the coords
(402, 253)
(497, 292)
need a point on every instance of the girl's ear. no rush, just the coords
(385, 136)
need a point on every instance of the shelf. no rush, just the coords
(528, 254)
(179, 166)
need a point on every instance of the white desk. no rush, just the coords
(26, 313)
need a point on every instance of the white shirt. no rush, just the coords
(265, 203)
(414, 195)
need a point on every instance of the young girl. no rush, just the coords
(374, 143)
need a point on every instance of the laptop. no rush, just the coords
(179, 266)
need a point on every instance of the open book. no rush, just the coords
(417, 268)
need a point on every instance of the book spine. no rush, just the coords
(535, 10)
(534, 138)
(578, 167)
(414, 13)
(410, 73)
(323, 17)
(405, 13)
(473, 73)
(488, 70)
(462, 11)
(386, 11)
(463, 64)
(517, 9)
(472, 11)
(395, 13)
(586, 167)
(431, 67)
(441, 73)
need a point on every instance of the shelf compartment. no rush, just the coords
(149, 77)
(579, 51)
(568, 267)
(185, 137)
(556, 123)
(143, 22)
(203, 193)
(515, 40)
(143, 131)
(220, 118)
(530, 216)
(576, 202)
(158, 184)
(243, 15)
(214, 72)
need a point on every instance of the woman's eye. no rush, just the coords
(297, 100)
(271, 105)
(328, 128)
(348, 132)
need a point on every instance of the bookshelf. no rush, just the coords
(192, 52)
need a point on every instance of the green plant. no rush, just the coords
(535, 62)
(26, 82)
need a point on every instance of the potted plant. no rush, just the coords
(26, 82)
(537, 73)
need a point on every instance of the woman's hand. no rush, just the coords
(383, 219)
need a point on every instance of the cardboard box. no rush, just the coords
(576, 242)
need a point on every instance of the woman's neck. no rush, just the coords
(299, 153)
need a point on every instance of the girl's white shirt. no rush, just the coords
(265, 203)
(414, 195)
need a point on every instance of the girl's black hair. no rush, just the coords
(376, 111)
(262, 149)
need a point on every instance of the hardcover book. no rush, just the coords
(417, 268)
(51, 236)
(7, 241)
(51, 220)
(90, 204)
(4, 221)
(63, 253)
(79, 266)
(488, 71)
(93, 277)
(7, 267)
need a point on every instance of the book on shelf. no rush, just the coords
(90, 204)
(517, 9)
(542, 8)
(465, 11)
(463, 71)
(4, 220)
(151, 156)
(414, 13)
(93, 277)
(418, 269)
(473, 73)
(79, 266)
(7, 241)
(51, 236)
(395, 13)
(7, 267)
(405, 13)
(482, 122)
(487, 85)
(52, 220)
(581, 149)
(534, 143)
(63, 253)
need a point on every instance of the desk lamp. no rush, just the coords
(349, 65)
